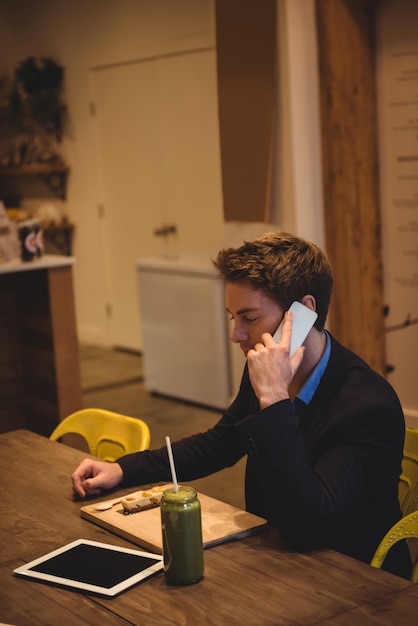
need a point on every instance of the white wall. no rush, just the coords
(83, 34)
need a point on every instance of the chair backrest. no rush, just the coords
(108, 435)
(406, 528)
(408, 482)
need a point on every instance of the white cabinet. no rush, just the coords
(185, 330)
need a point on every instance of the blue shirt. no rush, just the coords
(305, 395)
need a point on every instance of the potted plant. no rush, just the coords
(37, 94)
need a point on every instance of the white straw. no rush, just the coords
(170, 458)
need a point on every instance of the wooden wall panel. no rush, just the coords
(12, 409)
(350, 174)
(246, 51)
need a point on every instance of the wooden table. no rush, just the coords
(254, 581)
(39, 358)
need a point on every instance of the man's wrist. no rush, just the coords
(269, 399)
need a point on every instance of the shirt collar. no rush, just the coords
(311, 385)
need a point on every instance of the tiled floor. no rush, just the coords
(113, 379)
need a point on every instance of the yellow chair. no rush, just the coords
(406, 528)
(108, 435)
(408, 481)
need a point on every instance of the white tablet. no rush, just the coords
(92, 566)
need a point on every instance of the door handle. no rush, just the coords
(165, 230)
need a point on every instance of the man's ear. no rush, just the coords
(309, 301)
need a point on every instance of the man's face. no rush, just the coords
(253, 313)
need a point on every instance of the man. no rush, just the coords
(323, 433)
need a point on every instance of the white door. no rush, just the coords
(158, 149)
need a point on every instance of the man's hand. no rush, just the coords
(92, 476)
(270, 367)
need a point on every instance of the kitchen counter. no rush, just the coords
(47, 261)
(39, 361)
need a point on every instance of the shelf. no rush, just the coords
(33, 169)
(54, 177)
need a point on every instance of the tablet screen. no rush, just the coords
(93, 566)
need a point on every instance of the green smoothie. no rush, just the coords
(182, 536)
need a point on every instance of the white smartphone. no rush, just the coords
(303, 320)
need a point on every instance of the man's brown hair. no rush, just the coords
(284, 266)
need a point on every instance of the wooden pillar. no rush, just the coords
(350, 174)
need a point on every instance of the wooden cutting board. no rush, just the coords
(221, 522)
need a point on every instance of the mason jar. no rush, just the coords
(181, 524)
